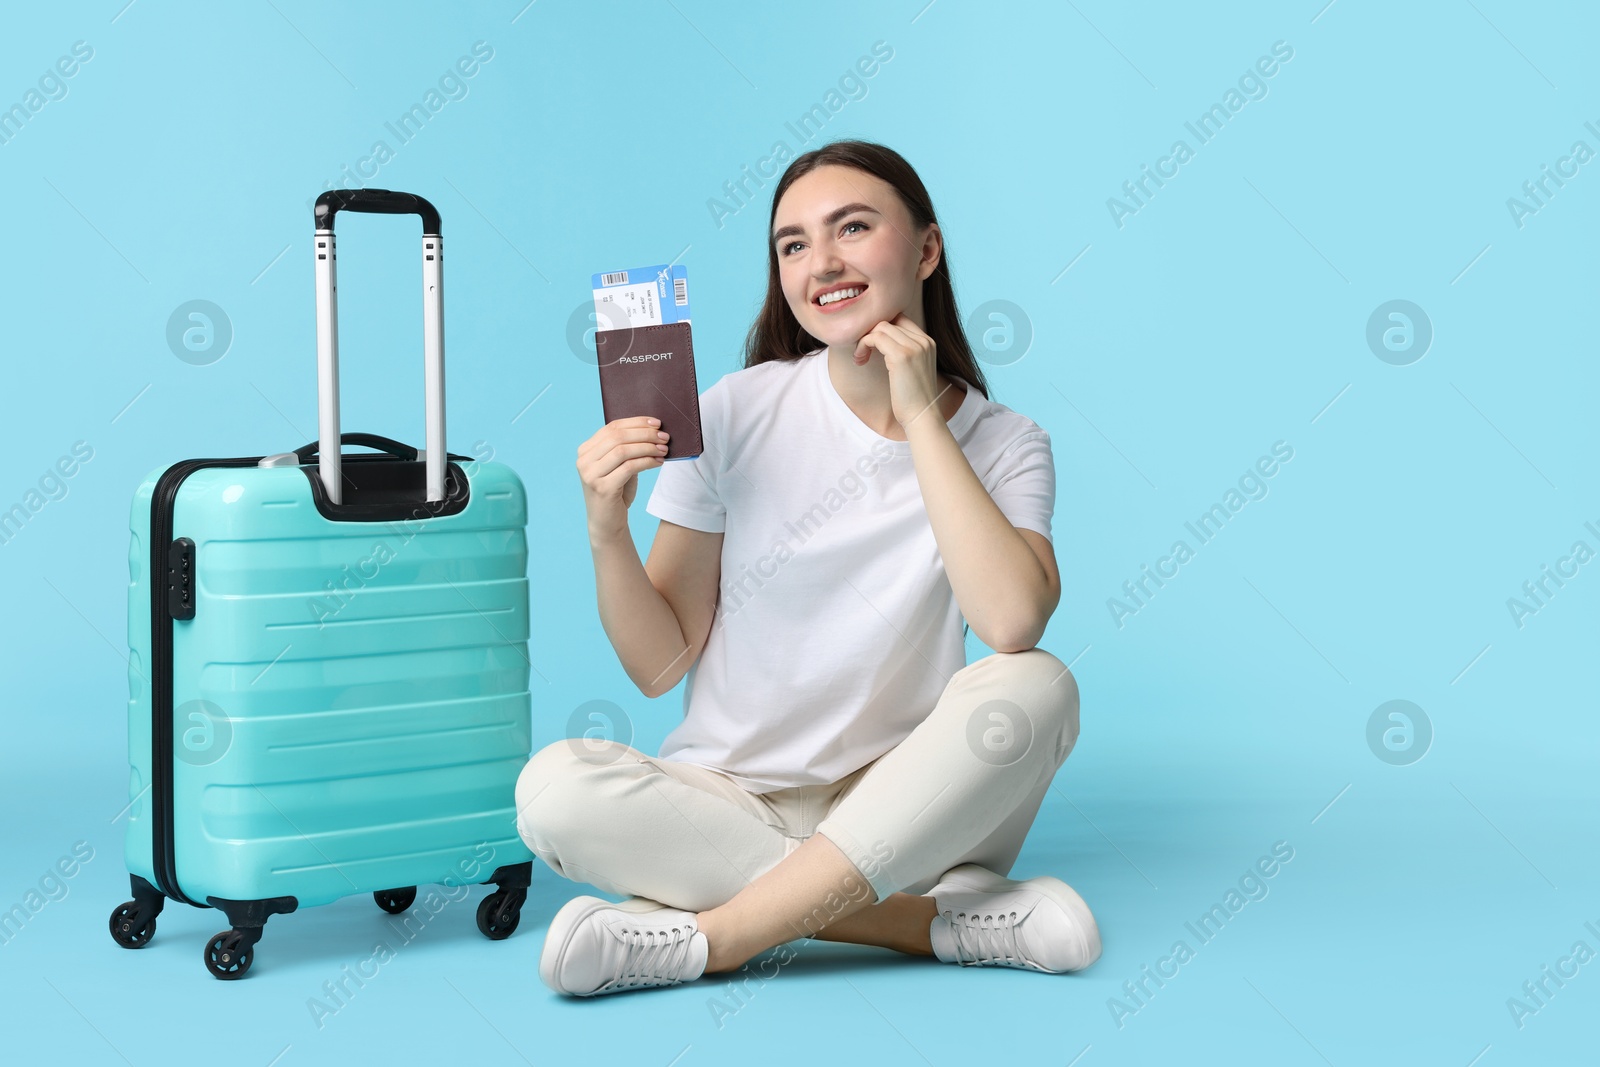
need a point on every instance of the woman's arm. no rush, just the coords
(657, 615)
(1004, 578)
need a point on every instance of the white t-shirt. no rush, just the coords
(836, 629)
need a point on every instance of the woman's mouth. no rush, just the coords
(839, 298)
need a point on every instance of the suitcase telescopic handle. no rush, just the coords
(376, 202)
(382, 202)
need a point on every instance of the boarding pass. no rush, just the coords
(643, 296)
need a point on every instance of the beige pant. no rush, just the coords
(963, 787)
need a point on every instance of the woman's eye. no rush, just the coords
(783, 250)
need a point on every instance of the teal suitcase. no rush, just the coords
(328, 665)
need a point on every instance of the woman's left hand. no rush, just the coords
(911, 358)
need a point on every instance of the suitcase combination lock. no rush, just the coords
(180, 579)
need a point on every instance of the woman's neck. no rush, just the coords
(865, 391)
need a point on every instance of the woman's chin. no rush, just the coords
(836, 337)
(844, 334)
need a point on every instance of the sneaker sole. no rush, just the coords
(979, 878)
(566, 920)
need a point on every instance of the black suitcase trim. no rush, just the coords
(162, 499)
(385, 489)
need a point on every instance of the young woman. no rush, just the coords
(839, 772)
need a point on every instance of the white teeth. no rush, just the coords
(842, 294)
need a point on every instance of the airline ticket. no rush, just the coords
(642, 296)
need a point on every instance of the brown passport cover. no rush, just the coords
(649, 370)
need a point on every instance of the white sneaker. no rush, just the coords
(985, 920)
(594, 946)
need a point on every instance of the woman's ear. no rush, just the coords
(932, 251)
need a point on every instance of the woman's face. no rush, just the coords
(839, 228)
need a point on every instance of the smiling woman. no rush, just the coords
(840, 771)
(906, 208)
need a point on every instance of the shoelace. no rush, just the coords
(657, 955)
(987, 937)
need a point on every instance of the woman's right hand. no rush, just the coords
(609, 464)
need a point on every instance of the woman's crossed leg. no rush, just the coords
(962, 788)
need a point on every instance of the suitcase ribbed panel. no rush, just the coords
(374, 680)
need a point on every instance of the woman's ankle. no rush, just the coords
(900, 922)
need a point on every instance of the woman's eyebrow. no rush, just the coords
(832, 217)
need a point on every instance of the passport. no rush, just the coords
(649, 370)
(645, 351)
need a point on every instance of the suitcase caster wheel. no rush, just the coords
(499, 913)
(229, 955)
(129, 927)
(394, 901)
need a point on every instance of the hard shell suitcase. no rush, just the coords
(329, 667)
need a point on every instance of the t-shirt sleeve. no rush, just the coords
(686, 489)
(1026, 491)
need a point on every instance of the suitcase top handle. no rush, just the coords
(398, 449)
(383, 202)
(376, 202)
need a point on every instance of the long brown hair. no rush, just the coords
(777, 334)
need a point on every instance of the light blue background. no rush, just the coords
(1229, 313)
